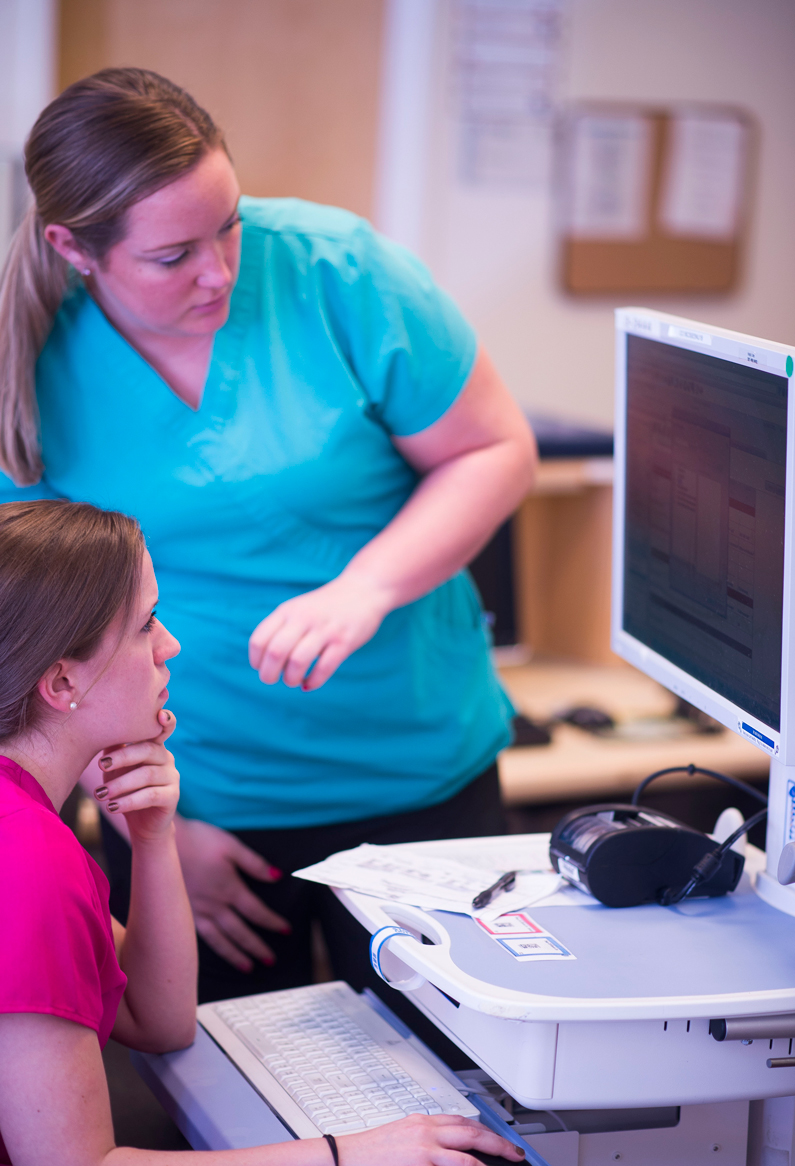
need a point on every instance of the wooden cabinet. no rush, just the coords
(562, 556)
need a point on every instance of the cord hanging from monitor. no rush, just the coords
(706, 867)
(693, 769)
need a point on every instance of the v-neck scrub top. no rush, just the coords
(337, 339)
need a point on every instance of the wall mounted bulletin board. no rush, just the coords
(653, 199)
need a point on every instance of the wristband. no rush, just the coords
(332, 1145)
(377, 941)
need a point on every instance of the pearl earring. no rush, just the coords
(73, 705)
(86, 271)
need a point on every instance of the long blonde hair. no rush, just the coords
(105, 143)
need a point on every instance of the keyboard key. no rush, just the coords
(311, 1041)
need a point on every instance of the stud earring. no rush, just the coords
(73, 705)
(86, 271)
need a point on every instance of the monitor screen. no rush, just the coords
(706, 442)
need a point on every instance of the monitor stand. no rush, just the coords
(780, 831)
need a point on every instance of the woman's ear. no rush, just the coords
(56, 688)
(62, 239)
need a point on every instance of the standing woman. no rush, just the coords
(315, 447)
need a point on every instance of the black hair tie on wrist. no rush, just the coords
(333, 1147)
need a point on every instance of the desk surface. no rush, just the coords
(580, 764)
(733, 955)
(706, 947)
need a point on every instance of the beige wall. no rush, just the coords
(293, 82)
(496, 251)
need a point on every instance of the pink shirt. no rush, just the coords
(56, 943)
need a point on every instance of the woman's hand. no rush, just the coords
(220, 900)
(440, 1140)
(475, 463)
(317, 631)
(142, 782)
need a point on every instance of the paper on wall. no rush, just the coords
(607, 176)
(703, 185)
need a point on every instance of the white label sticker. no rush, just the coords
(525, 938)
(690, 334)
(569, 870)
(514, 923)
(536, 947)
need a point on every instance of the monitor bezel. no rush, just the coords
(651, 324)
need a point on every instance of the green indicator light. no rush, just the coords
(789, 366)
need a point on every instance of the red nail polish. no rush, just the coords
(275, 873)
(286, 930)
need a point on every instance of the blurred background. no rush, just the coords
(437, 119)
(550, 160)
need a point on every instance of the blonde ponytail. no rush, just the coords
(105, 143)
(32, 287)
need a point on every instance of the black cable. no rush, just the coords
(693, 769)
(706, 866)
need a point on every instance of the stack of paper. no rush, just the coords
(405, 874)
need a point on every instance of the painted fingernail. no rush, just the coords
(275, 873)
(106, 762)
(287, 930)
(112, 807)
(268, 961)
(101, 792)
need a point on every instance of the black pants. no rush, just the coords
(475, 811)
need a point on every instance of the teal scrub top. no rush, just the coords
(337, 339)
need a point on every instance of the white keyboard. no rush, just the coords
(327, 1062)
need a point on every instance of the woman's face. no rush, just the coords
(122, 688)
(174, 270)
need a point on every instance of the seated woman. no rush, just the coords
(83, 670)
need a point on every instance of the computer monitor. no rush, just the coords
(703, 534)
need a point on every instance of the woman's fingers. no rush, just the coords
(459, 1138)
(168, 723)
(250, 907)
(130, 756)
(140, 775)
(295, 648)
(215, 938)
(327, 664)
(301, 658)
(146, 797)
(440, 1140)
(237, 932)
(335, 618)
(280, 648)
(248, 860)
(262, 635)
(222, 903)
